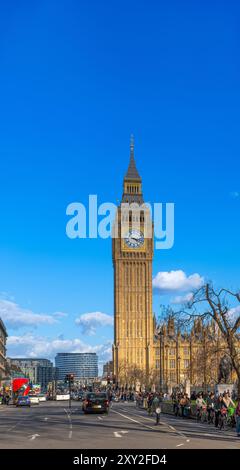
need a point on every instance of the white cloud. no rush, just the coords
(60, 315)
(181, 299)
(30, 345)
(15, 316)
(167, 282)
(89, 322)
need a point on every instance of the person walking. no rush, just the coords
(7, 399)
(156, 408)
(175, 405)
(182, 405)
(210, 407)
(145, 402)
(199, 403)
(149, 404)
(219, 407)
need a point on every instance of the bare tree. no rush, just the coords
(223, 306)
(206, 353)
(135, 375)
(123, 373)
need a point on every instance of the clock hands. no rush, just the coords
(134, 239)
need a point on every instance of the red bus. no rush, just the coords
(20, 386)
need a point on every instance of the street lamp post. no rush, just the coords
(161, 361)
(179, 365)
(158, 336)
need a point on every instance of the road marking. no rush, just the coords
(33, 436)
(134, 420)
(179, 445)
(15, 425)
(144, 417)
(70, 423)
(99, 417)
(150, 419)
(120, 433)
(180, 433)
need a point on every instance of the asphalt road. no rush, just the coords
(50, 426)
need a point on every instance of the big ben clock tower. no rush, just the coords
(132, 251)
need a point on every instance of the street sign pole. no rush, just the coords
(69, 384)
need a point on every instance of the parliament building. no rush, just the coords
(140, 357)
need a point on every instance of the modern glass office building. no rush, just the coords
(82, 365)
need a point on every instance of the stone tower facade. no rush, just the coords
(132, 252)
(142, 356)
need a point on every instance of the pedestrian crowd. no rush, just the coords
(220, 410)
(4, 398)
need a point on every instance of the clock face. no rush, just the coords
(134, 239)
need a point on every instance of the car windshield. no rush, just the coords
(96, 395)
(91, 395)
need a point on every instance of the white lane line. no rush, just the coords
(179, 445)
(33, 436)
(70, 423)
(120, 433)
(193, 431)
(144, 417)
(13, 427)
(134, 420)
(99, 417)
(163, 422)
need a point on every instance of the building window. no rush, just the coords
(157, 364)
(186, 363)
(172, 363)
(172, 377)
(186, 351)
(157, 351)
(172, 352)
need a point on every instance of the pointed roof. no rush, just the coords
(132, 173)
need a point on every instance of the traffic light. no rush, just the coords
(69, 378)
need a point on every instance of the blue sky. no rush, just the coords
(77, 78)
